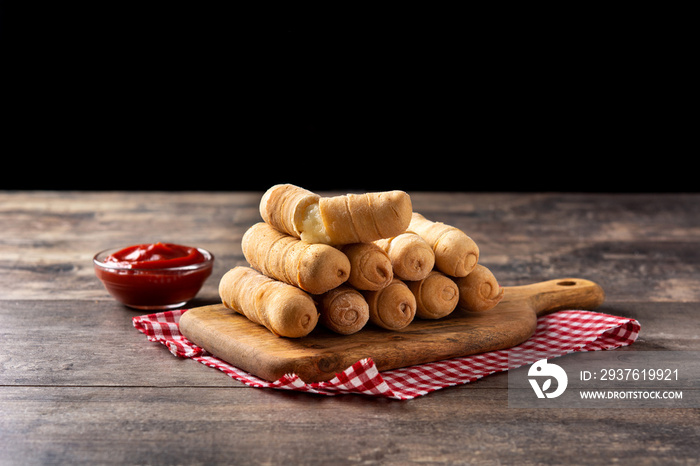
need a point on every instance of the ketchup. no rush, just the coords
(155, 256)
(154, 276)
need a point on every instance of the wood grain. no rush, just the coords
(321, 354)
(176, 425)
(79, 385)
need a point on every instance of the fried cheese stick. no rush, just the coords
(436, 295)
(479, 291)
(283, 309)
(337, 220)
(344, 310)
(456, 254)
(315, 268)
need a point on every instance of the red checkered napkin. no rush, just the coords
(557, 334)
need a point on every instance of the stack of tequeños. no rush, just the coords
(352, 259)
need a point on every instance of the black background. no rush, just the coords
(176, 97)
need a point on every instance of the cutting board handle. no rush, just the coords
(556, 295)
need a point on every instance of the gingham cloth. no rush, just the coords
(557, 334)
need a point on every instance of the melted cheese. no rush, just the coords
(312, 228)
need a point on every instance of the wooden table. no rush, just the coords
(79, 385)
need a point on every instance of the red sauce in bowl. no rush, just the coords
(155, 256)
(154, 276)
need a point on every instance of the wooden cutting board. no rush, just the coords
(322, 353)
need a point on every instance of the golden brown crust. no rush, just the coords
(436, 295)
(315, 268)
(392, 307)
(351, 218)
(363, 218)
(456, 254)
(370, 266)
(479, 291)
(283, 206)
(344, 310)
(411, 257)
(283, 309)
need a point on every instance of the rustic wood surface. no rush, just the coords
(79, 385)
(321, 354)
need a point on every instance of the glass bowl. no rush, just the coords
(152, 289)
